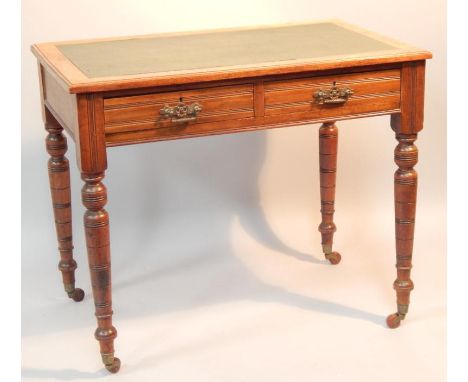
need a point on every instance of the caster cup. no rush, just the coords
(393, 321)
(334, 257)
(114, 367)
(77, 295)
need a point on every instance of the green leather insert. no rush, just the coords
(215, 50)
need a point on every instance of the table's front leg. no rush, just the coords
(92, 161)
(406, 126)
(96, 222)
(406, 181)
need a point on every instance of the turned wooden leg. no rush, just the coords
(59, 178)
(96, 222)
(406, 178)
(328, 145)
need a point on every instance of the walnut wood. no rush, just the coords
(92, 161)
(406, 126)
(406, 180)
(259, 98)
(365, 84)
(232, 107)
(218, 104)
(310, 59)
(410, 120)
(64, 104)
(328, 151)
(243, 80)
(114, 110)
(90, 137)
(96, 223)
(227, 127)
(59, 178)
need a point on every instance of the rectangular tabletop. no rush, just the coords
(165, 59)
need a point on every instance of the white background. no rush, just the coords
(218, 273)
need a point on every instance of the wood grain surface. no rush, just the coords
(258, 105)
(167, 59)
(117, 91)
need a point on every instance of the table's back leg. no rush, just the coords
(406, 181)
(328, 150)
(59, 177)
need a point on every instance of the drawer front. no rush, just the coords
(242, 107)
(369, 92)
(140, 113)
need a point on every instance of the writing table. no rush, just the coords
(120, 91)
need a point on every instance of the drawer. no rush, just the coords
(241, 107)
(370, 92)
(172, 112)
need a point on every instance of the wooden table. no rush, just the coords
(127, 90)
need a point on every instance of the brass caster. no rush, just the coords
(114, 367)
(334, 257)
(77, 295)
(393, 321)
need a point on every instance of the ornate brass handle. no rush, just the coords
(335, 95)
(181, 112)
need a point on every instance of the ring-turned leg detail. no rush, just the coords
(59, 179)
(96, 222)
(406, 180)
(328, 150)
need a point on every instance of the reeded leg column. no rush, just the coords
(328, 146)
(96, 222)
(406, 178)
(59, 178)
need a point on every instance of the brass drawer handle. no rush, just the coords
(181, 113)
(335, 95)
